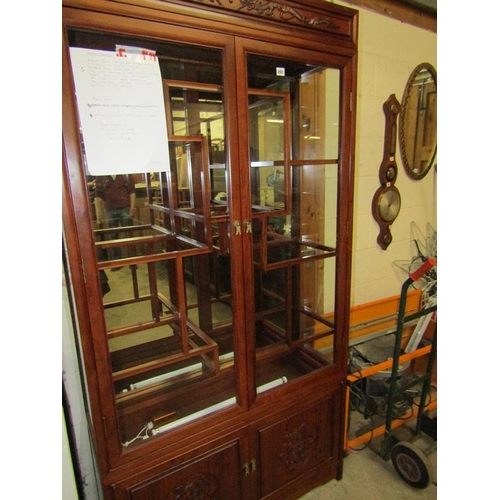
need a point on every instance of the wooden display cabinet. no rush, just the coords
(214, 323)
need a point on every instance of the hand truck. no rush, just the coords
(409, 460)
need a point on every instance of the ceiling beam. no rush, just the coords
(400, 11)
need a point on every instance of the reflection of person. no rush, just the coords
(116, 194)
(115, 202)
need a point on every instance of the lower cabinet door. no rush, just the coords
(212, 476)
(295, 453)
(291, 447)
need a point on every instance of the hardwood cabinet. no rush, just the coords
(212, 363)
(214, 473)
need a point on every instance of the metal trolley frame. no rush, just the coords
(409, 460)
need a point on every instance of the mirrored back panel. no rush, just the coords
(162, 246)
(293, 166)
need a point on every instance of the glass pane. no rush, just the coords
(267, 151)
(163, 251)
(198, 110)
(294, 135)
(134, 219)
(319, 115)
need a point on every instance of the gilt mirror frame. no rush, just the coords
(418, 122)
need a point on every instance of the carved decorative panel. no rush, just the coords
(298, 446)
(201, 487)
(213, 477)
(284, 12)
(295, 444)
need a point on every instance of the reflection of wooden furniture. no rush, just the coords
(178, 214)
(220, 392)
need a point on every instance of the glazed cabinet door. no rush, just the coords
(146, 126)
(297, 115)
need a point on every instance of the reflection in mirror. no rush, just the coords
(268, 148)
(163, 254)
(145, 214)
(165, 282)
(418, 121)
(294, 127)
(195, 109)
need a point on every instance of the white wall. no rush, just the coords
(388, 52)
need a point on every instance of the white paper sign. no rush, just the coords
(121, 108)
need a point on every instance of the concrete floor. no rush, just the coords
(367, 476)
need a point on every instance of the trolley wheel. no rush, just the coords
(411, 464)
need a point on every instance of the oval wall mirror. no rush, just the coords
(418, 121)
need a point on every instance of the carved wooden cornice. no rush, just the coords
(289, 12)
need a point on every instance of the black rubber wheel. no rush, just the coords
(411, 464)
